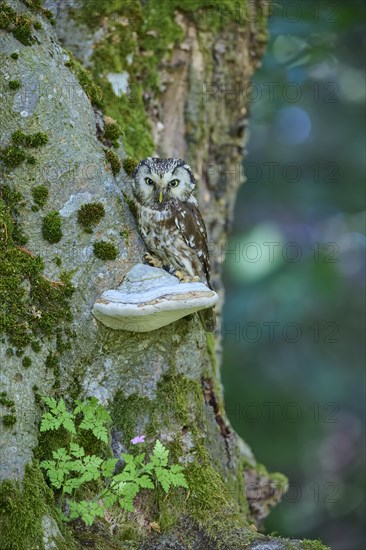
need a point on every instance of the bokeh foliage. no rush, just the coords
(294, 321)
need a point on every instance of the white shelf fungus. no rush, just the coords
(150, 298)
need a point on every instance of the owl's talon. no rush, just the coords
(152, 260)
(185, 278)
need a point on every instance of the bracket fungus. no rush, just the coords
(150, 298)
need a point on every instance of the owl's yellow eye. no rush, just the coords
(174, 183)
(149, 181)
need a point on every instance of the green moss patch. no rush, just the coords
(34, 5)
(36, 346)
(27, 361)
(14, 84)
(22, 506)
(105, 250)
(209, 496)
(29, 140)
(30, 305)
(13, 155)
(90, 214)
(9, 420)
(150, 33)
(113, 160)
(313, 545)
(10, 207)
(51, 227)
(5, 401)
(127, 413)
(179, 406)
(31, 159)
(129, 165)
(40, 195)
(112, 131)
(92, 90)
(19, 24)
(124, 234)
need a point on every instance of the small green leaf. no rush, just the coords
(161, 453)
(60, 454)
(76, 450)
(139, 459)
(47, 464)
(126, 504)
(130, 490)
(179, 480)
(109, 499)
(87, 510)
(68, 423)
(61, 407)
(72, 484)
(50, 402)
(49, 422)
(101, 433)
(163, 477)
(124, 476)
(127, 458)
(145, 482)
(108, 467)
(149, 467)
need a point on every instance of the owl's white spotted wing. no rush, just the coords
(193, 231)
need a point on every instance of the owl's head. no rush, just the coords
(157, 181)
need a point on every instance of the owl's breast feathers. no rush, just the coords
(176, 233)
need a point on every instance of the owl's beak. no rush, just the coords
(161, 196)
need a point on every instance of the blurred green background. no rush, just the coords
(294, 325)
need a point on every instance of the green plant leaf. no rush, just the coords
(87, 510)
(72, 467)
(76, 450)
(127, 458)
(126, 504)
(109, 499)
(50, 402)
(95, 418)
(60, 454)
(108, 467)
(100, 432)
(139, 459)
(49, 422)
(163, 477)
(68, 423)
(145, 482)
(177, 477)
(91, 467)
(57, 416)
(73, 483)
(160, 454)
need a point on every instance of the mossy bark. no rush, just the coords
(189, 67)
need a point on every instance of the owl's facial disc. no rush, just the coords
(161, 181)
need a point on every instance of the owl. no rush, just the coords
(170, 222)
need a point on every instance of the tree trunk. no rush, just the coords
(185, 70)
